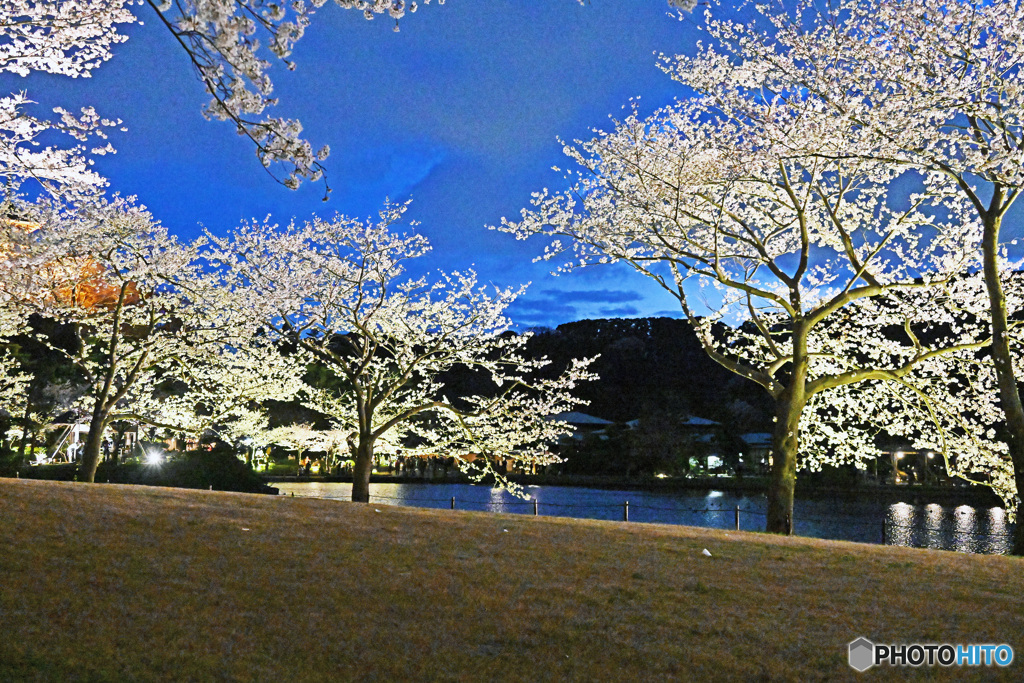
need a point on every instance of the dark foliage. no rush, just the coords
(220, 469)
(653, 366)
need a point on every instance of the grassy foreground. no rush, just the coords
(108, 582)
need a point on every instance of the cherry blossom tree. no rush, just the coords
(335, 292)
(948, 405)
(931, 84)
(13, 290)
(67, 38)
(303, 437)
(780, 249)
(12, 383)
(11, 380)
(153, 344)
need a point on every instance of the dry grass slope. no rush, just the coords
(133, 583)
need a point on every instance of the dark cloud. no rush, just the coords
(551, 307)
(609, 296)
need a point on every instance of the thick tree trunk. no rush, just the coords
(32, 443)
(785, 446)
(363, 468)
(93, 445)
(789, 406)
(1009, 394)
(1018, 532)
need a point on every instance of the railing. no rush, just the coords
(535, 507)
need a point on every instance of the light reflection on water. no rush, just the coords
(963, 528)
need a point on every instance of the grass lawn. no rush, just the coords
(108, 582)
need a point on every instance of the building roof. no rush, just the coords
(580, 419)
(757, 438)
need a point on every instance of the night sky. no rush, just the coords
(460, 111)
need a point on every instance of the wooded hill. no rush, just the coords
(650, 367)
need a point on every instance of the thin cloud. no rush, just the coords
(620, 311)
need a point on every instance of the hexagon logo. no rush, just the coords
(862, 654)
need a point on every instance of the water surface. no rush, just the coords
(963, 528)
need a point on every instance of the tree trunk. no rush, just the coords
(32, 444)
(363, 468)
(93, 444)
(1018, 531)
(116, 448)
(789, 406)
(25, 426)
(785, 446)
(1009, 395)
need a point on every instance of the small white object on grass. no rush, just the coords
(707, 553)
(504, 531)
(376, 510)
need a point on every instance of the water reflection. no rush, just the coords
(900, 524)
(962, 528)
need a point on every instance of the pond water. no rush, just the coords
(963, 528)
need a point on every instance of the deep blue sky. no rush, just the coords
(460, 110)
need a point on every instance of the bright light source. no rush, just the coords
(930, 454)
(899, 454)
(661, 475)
(154, 457)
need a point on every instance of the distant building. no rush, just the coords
(583, 424)
(755, 451)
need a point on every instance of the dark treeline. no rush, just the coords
(650, 369)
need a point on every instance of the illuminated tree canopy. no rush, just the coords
(755, 205)
(336, 292)
(934, 85)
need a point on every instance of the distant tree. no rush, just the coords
(335, 292)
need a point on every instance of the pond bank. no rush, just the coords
(915, 494)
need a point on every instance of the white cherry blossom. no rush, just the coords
(335, 292)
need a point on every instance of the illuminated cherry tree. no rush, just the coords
(928, 84)
(948, 405)
(12, 383)
(335, 292)
(153, 343)
(767, 252)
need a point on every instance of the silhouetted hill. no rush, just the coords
(653, 366)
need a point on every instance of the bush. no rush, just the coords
(193, 470)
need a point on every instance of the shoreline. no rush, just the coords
(912, 493)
